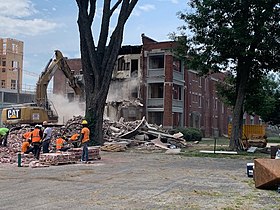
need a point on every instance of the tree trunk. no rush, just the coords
(98, 61)
(236, 129)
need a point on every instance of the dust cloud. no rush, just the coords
(120, 91)
(65, 109)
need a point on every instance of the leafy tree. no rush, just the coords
(241, 36)
(98, 58)
(261, 98)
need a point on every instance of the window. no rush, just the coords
(216, 103)
(199, 101)
(155, 118)
(3, 66)
(200, 81)
(156, 61)
(177, 65)
(15, 65)
(14, 48)
(156, 90)
(3, 84)
(13, 84)
(4, 48)
(134, 67)
(177, 92)
(123, 65)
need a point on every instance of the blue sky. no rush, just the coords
(46, 25)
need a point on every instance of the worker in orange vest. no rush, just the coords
(74, 140)
(84, 138)
(36, 138)
(60, 144)
(26, 147)
(27, 135)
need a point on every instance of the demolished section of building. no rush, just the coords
(148, 80)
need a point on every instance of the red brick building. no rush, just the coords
(172, 95)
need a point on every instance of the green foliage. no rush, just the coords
(239, 36)
(190, 134)
(228, 34)
(262, 98)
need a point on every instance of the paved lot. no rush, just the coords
(133, 180)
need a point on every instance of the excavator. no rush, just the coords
(42, 109)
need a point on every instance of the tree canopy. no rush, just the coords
(241, 36)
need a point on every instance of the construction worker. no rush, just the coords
(26, 147)
(27, 135)
(47, 135)
(74, 140)
(60, 144)
(36, 138)
(4, 132)
(84, 138)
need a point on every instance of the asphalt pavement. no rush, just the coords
(135, 180)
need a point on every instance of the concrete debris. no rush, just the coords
(113, 147)
(118, 136)
(173, 151)
(37, 164)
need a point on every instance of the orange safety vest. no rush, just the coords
(59, 143)
(36, 135)
(74, 137)
(27, 135)
(86, 132)
(24, 146)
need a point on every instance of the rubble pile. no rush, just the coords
(140, 134)
(9, 154)
(57, 158)
(93, 153)
(118, 136)
(113, 148)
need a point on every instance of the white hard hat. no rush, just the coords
(38, 126)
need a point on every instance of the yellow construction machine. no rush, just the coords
(42, 109)
(252, 135)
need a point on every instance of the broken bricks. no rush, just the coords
(119, 134)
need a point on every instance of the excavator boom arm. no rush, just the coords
(72, 80)
(59, 62)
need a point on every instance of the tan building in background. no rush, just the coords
(11, 63)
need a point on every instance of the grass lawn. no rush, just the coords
(222, 144)
(273, 140)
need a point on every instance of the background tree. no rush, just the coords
(261, 98)
(241, 36)
(98, 58)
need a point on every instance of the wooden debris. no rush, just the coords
(158, 143)
(218, 152)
